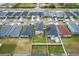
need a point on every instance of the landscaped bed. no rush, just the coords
(55, 49)
(39, 49)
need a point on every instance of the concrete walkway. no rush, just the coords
(46, 44)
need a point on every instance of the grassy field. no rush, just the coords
(1, 18)
(24, 5)
(8, 45)
(72, 45)
(76, 18)
(16, 45)
(7, 48)
(55, 49)
(68, 5)
(72, 5)
(39, 49)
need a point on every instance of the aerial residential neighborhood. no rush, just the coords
(39, 29)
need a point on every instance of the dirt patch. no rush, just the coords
(50, 41)
(23, 46)
(10, 40)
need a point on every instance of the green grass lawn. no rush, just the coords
(27, 18)
(39, 49)
(55, 49)
(71, 44)
(72, 40)
(1, 18)
(24, 5)
(72, 5)
(7, 48)
(61, 18)
(68, 5)
(76, 18)
(12, 18)
(39, 38)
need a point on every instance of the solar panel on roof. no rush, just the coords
(60, 14)
(73, 27)
(51, 30)
(13, 27)
(17, 14)
(70, 21)
(2, 14)
(15, 31)
(47, 14)
(35, 14)
(26, 30)
(39, 26)
(52, 14)
(4, 30)
(24, 14)
(23, 30)
(69, 14)
(76, 12)
(9, 14)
